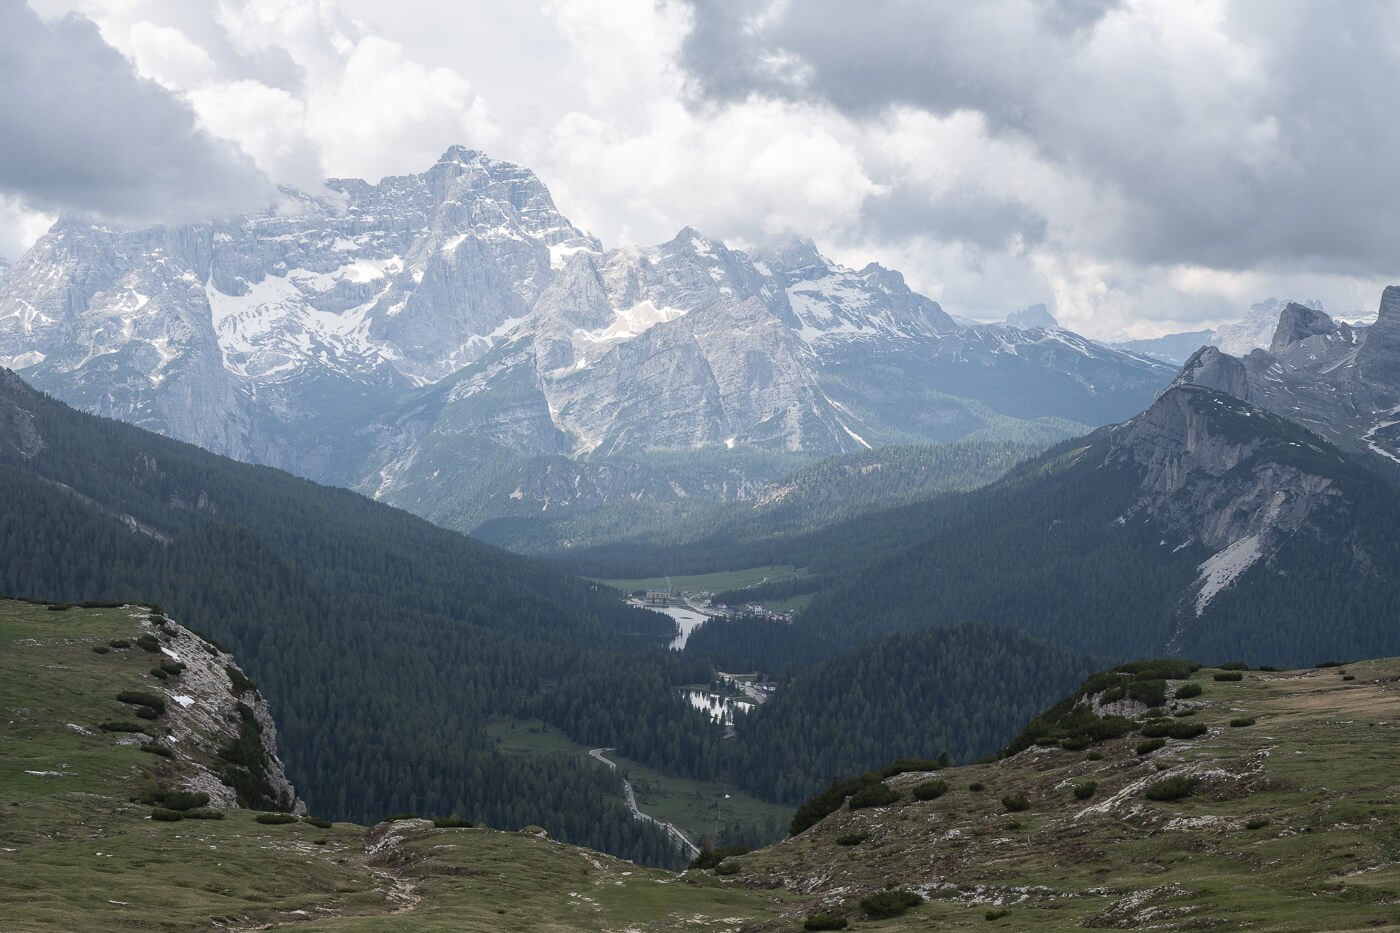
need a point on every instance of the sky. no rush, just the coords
(1140, 167)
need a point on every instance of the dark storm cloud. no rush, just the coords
(1265, 135)
(84, 132)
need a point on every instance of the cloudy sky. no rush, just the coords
(1138, 166)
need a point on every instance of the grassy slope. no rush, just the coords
(1318, 764)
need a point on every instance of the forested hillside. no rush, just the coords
(383, 643)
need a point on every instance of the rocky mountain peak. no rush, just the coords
(1299, 322)
(794, 259)
(1378, 360)
(1212, 369)
(1036, 315)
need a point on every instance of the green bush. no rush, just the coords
(1085, 789)
(1184, 713)
(164, 815)
(145, 712)
(977, 787)
(1259, 822)
(1241, 721)
(873, 795)
(449, 822)
(1234, 666)
(824, 922)
(1161, 669)
(1148, 746)
(239, 681)
(1075, 743)
(1348, 677)
(173, 668)
(410, 815)
(1186, 730)
(1155, 729)
(1151, 692)
(1268, 667)
(1094, 756)
(1112, 695)
(143, 698)
(1187, 691)
(149, 643)
(100, 649)
(155, 749)
(119, 643)
(930, 790)
(851, 839)
(275, 819)
(158, 673)
(727, 868)
(889, 903)
(907, 765)
(1172, 788)
(323, 824)
(997, 913)
(1229, 675)
(1016, 803)
(179, 799)
(204, 813)
(710, 858)
(1330, 664)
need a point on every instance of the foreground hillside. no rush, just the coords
(1289, 823)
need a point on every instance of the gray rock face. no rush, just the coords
(237, 334)
(1339, 381)
(1034, 316)
(397, 336)
(1227, 475)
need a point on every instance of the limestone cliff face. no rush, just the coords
(1339, 381)
(208, 704)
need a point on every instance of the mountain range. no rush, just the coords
(451, 343)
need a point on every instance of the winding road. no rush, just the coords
(678, 837)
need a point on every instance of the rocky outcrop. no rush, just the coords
(209, 704)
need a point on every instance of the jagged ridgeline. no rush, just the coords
(384, 643)
(1205, 526)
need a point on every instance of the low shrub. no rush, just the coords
(1187, 691)
(1234, 666)
(1229, 675)
(204, 813)
(908, 765)
(1348, 677)
(400, 816)
(448, 822)
(155, 749)
(997, 913)
(119, 643)
(179, 799)
(1094, 756)
(1155, 729)
(873, 795)
(1016, 803)
(1184, 713)
(1186, 730)
(1085, 789)
(1148, 746)
(1268, 667)
(1112, 695)
(727, 868)
(977, 787)
(239, 681)
(148, 642)
(275, 819)
(325, 824)
(1161, 669)
(1075, 743)
(851, 839)
(1151, 692)
(1240, 722)
(145, 712)
(889, 903)
(709, 858)
(173, 668)
(158, 673)
(1330, 664)
(101, 649)
(1259, 822)
(152, 701)
(824, 922)
(1172, 788)
(165, 815)
(930, 790)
